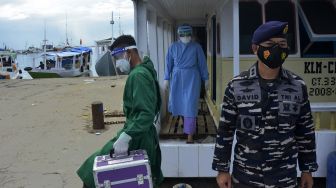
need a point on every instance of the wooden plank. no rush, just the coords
(199, 107)
(166, 126)
(201, 124)
(115, 113)
(205, 108)
(180, 126)
(114, 120)
(204, 124)
(210, 125)
(173, 125)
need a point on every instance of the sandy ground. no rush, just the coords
(44, 135)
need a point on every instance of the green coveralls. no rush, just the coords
(141, 102)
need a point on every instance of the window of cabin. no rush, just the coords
(218, 39)
(319, 16)
(283, 11)
(250, 18)
(209, 39)
(67, 63)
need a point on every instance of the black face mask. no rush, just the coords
(273, 57)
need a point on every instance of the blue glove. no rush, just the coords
(120, 146)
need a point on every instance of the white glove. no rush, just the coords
(121, 145)
(157, 123)
(206, 84)
(166, 85)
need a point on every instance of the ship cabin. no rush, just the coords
(224, 28)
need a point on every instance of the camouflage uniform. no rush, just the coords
(274, 128)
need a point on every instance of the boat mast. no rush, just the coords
(119, 24)
(66, 29)
(44, 46)
(112, 23)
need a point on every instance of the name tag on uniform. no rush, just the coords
(288, 92)
(247, 91)
(290, 97)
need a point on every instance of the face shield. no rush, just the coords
(184, 33)
(120, 61)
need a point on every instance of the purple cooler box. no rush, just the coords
(123, 172)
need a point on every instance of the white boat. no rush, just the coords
(8, 65)
(58, 64)
(104, 66)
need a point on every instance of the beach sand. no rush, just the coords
(44, 131)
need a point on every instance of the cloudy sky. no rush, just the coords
(22, 21)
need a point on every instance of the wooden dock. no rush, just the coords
(205, 125)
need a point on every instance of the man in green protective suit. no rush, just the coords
(141, 102)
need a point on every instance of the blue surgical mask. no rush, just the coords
(123, 65)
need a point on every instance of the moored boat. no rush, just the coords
(8, 65)
(71, 62)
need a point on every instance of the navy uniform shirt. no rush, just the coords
(274, 129)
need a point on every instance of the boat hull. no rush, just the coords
(9, 73)
(56, 74)
(43, 74)
(104, 66)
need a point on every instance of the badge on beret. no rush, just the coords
(285, 30)
(266, 54)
